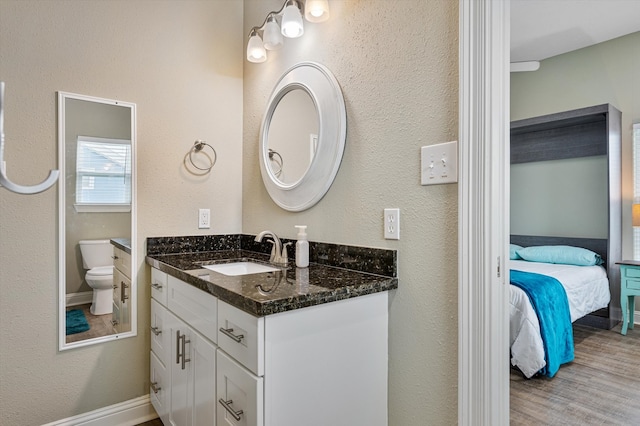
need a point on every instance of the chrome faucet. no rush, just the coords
(278, 251)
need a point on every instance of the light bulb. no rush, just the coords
(272, 36)
(255, 49)
(292, 26)
(316, 10)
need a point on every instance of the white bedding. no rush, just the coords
(587, 289)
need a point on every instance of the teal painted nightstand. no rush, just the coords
(629, 289)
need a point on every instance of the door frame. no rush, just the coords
(483, 217)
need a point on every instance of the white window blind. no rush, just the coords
(636, 186)
(103, 175)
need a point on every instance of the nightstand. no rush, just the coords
(629, 289)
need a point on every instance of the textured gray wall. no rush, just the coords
(397, 63)
(181, 63)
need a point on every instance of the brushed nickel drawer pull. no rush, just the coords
(156, 330)
(227, 406)
(114, 322)
(229, 333)
(154, 387)
(156, 286)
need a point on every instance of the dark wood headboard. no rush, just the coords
(596, 245)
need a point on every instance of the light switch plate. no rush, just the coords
(439, 163)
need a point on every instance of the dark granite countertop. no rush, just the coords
(270, 292)
(123, 244)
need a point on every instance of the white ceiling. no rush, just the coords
(541, 29)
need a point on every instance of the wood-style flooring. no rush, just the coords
(600, 387)
(99, 325)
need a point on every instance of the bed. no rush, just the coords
(586, 290)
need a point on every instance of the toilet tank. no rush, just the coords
(96, 253)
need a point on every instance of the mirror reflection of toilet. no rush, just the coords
(97, 258)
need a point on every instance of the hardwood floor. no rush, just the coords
(155, 422)
(600, 387)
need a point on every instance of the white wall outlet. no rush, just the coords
(204, 218)
(439, 163)
(392, 224)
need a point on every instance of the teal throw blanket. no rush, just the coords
(549, 301)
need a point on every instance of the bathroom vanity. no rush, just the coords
(286, 347)
(120, 316)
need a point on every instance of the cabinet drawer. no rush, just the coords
(159, 388)
(239, 394)
(196, 307)
(242, 336)
(160, 335)
(122, 261)
(159, 288)
(633, 284)
(631, 272)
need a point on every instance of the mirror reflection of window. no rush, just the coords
(103, 174)
(294, 125)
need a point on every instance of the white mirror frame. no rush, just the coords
(324, 90)
(62, 344)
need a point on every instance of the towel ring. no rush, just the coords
(198, 146)
(279, 161)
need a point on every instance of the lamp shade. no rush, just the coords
(272, 36)
(292, 26)
(255, 49)
(316, 10)
(635, 215)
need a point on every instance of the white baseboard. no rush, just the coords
(127, 413)
(81, 298)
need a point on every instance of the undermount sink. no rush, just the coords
(240, 268)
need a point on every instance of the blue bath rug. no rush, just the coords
(76, 322)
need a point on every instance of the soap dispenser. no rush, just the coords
(302, 247)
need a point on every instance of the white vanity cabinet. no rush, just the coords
(120, 317)
(183, 355)
(218, 365)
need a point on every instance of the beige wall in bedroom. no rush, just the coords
(181, 63)
(397, 64)
(603, 73)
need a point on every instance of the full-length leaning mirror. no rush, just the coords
(303, 136)
(97, 210)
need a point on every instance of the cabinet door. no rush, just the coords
(180, 368)
(124, 322)
(203, 359)
(239, 394)
(159, 388)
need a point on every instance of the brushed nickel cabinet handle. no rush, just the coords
(154, 387)
(156, 286)
(229, 333)
(114, 322)
(156, 330)
(227, 406)
(181, 355)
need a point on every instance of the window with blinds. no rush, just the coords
(103, 175)
(636, 186)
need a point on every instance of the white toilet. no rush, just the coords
(97, 257)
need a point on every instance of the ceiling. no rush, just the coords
(541, 29)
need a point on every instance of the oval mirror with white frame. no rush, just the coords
(302, 136)
(97, 216)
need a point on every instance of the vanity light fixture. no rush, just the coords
(268, 36)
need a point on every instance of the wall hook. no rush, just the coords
(4, 180)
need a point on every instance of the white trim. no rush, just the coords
(80, 298)
(127, 413)
(102, 208)
(483, 227)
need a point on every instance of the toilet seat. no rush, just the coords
(100, 271)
